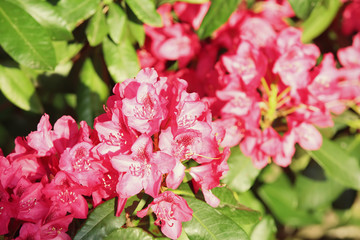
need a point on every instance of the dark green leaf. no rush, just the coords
(97, 28)
(129, 233)
(145, 11)
(121, 60)
(338, 164)
(16, 87)
(101, 222)
(320, 19)
(24, 39)
(316, 194)
(208, 223)
(265, 229)
(116, 20)
(92, 94)
(47, 15)
(242, 173)
(303, 8)
(282, 200)
(76, 11)
(218, 14)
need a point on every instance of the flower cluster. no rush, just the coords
(267, 91)
(151, 130)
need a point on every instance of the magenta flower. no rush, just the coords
(142, 169)
(170, 210)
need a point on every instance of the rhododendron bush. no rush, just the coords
(192, 119)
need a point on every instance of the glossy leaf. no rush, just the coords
(145, 10)
(76, 11)
(338, 164)
(48, 16)
(303, 8)
(24, 39)
(101, 222)
(135, 28)
(219, 12)
(116, 20)
(242, 173)
(264, 230)
(121, 60)
(161, 2)
(92, 93)
(320, 19)
(18, 88)
(208, 223)
(97, 28)
(129, 233)
(314, 194)
(282, 200)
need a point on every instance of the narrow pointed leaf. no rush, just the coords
(47, 15)
(24, 39)
(303, 8)
(187, 1)
(18, 88)
(219, 12)
(101, 222)
(97, 28)
(338, 165)
(76, 11)
(135, 28)
(208, 223)
(145, 11)
(129, 233)
(92, 93)
(116, 20)
(121, 60)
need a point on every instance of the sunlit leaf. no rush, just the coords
(121, 60)
(47, 15)
(264, 230)
(24, 39)
(219, 12)
(208, 223)
(18, 88)
(145, 11)
(101, 222)
(116, 20)
(303, 8)
(97, 28)
(129, 233)
(338, 164)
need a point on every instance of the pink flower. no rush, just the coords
(351, 21)
(170, 210)
(191, 13)
(142, 169)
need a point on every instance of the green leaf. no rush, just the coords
(354, 148)
(145, 11)
(18, 88)
(92, 93)
(24, 39)
(116, 20)
(121, 60)
(218, 14)
(242, 173)
(97, 28)
(101, 222)
(76, 11)
(316, 194)
(282, 200)
(320, 19)
(135, 28)
(129, 233)
(338, 164)
(161, 2)
(303, 8)
(208, 223)
(265, 229)
(47, 15)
